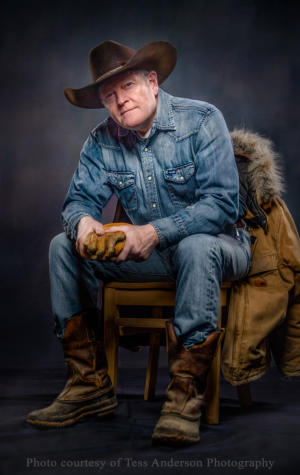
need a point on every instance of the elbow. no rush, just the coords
(234, 215)
(231, 211)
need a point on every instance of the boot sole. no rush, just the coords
(173, 439)
(175, 430)
(75, 417)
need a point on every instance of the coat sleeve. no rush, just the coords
(285, 341)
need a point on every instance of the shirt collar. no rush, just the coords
(164, 119)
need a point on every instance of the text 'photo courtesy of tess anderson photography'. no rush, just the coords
(132, 463)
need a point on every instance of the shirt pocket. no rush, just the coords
(124, 186)
(181, 184)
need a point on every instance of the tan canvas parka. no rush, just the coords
(264, 309)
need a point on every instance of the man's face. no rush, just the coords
(131, 99)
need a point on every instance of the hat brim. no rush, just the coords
(159, 56)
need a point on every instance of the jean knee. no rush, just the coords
(59, 246)
(196, 246)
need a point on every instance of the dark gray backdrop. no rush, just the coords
(242, 56)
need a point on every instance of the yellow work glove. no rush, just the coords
(107, 246)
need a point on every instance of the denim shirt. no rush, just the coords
(182, 178)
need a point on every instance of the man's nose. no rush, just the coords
(121, 98)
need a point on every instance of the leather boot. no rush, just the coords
(179, 423)
(88, 389)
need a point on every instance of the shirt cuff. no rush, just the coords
(170, 231)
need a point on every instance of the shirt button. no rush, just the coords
(120, 182)
(149, 178)
(146, 149)
(153, 205)
(182, 178)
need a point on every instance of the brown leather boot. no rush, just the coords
(88, 389)
(179, 423)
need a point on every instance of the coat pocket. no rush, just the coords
(263, 256)
(181, 184)
(124, 186)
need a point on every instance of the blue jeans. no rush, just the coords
(198, 264)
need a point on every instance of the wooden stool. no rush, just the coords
(157, 295)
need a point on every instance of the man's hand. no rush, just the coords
(85, 226)
(139, 244)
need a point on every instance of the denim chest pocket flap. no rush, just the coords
(121, 180)
(180, 174)
(124, 187)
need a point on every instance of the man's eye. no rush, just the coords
(129, 83)
(109, 97)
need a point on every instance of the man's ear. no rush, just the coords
(152, 77)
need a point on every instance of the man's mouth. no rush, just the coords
(128, 110)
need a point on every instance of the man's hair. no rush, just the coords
(143, 72)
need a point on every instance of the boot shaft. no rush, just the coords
(195, 361)
(82, 349)
(84, 357)
(180, 416)
(188, 371)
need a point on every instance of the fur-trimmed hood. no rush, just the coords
(263, 169)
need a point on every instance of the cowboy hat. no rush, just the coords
(111, 58)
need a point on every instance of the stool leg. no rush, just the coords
(212, 393)
(244, 395)
(153, 359)
(111, 334)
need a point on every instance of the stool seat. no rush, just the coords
(141, 285)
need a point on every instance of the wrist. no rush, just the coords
(152, 233)
(81, 220)
(85, 218)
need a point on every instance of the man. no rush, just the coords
(170, 162)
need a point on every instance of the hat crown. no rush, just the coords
(108, 56)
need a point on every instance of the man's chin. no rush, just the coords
(131, 125)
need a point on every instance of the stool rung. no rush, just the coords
(142, 322)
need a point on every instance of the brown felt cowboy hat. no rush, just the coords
(111, 58)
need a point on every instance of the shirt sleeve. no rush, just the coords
(217, 186)
(88, 192)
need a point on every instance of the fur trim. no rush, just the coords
(265, 173)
